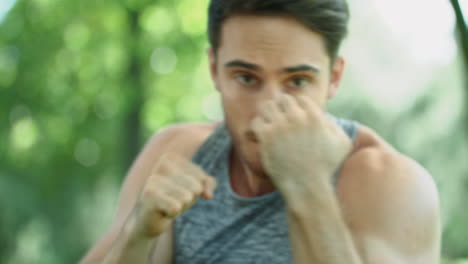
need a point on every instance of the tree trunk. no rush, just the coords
(462, 32)
(133, 119)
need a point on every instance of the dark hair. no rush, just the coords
(326, 17)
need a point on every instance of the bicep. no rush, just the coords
(379, 250)
(393, 212)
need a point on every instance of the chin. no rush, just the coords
(247, 148)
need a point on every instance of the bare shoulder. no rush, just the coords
(376, 161)
(375, 168)
(388, 195)
(184, 138)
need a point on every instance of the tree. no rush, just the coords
(462, 32)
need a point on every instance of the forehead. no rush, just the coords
(270, 41)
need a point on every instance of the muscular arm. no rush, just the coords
(117, 245)
(317, 230)
(117, 240)
(389, 214)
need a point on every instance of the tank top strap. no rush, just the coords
(213, 149)
(350, 127)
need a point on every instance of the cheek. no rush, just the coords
(319, 93)
(237, 103)
(238, 112)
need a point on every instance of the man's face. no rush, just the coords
(259, 59)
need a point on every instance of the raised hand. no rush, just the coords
(172, 188)
(298, 142)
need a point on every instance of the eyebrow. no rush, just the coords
(242, 64)
(301, 68)
(292, 69)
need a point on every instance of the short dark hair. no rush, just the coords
(326, 17)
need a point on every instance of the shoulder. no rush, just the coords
(388, 179)
(389, 195)
(184, 137)
(375, 161)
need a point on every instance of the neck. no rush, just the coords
(244, 181)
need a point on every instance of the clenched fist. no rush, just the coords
(173, 187)
(298, 142)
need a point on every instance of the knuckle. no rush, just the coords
(210, 179)
(154, 176)
(187, 197)
(149, 192)
(300, 118)
(175, 208)
(197, 188)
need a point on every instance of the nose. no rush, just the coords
(271, 92)
(268, 93)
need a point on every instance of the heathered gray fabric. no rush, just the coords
(231, 229)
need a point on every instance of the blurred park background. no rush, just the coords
(83, 85)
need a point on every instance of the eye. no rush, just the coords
(298, 82)
(246, 79)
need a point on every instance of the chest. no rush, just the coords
(217, 232)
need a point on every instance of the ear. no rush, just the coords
(336, 76)
(213, 69)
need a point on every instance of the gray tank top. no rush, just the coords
(231, 229)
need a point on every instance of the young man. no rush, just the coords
(281, 180)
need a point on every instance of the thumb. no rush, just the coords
(209, 185)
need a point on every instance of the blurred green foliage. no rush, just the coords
(83, 84)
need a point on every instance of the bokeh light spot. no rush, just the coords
(157, 21)
(212, 107)
(24, 134)
(163, 60)
(192, 16)
(106, 105)
(32, 242)
(87, 152)
(76, 36)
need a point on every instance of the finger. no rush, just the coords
(307, 104)
(209, 188)
(177, 192)
(183, 196)
(195, 171)
(192, 177)
(169, 207)
(182, 165)
(167, 164)
(287, 103)
(258, 126)
(188, 182)
(271, 112)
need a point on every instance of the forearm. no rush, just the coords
(317, 231)
(129, 248)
